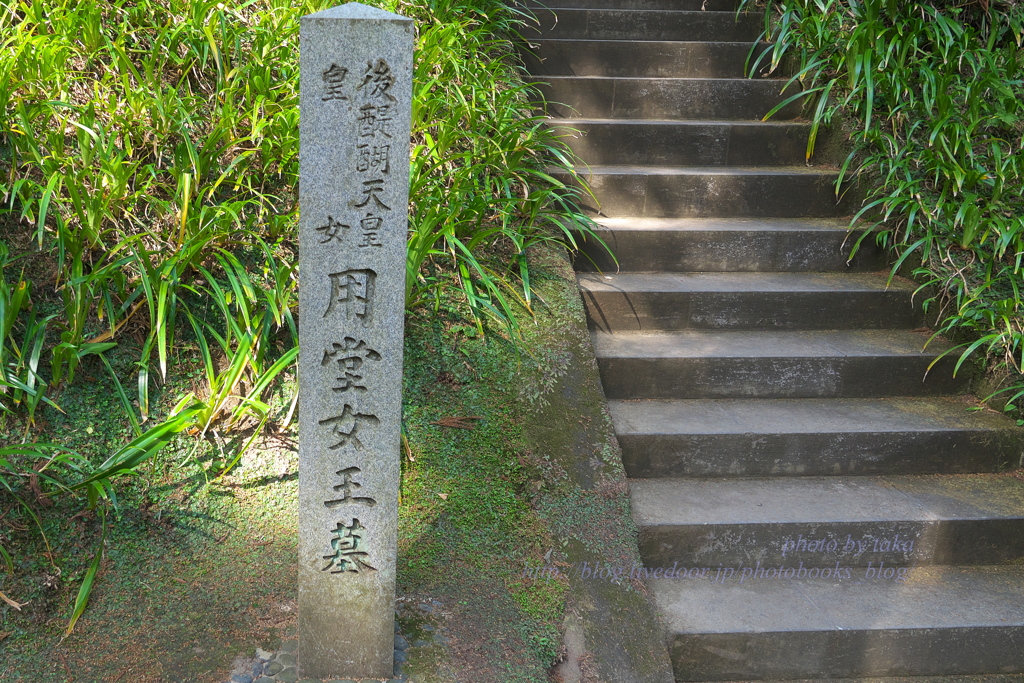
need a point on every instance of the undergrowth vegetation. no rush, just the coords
(148, 169)
(934, 92)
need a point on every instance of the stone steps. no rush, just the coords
(811, 437)
(982, 678)
(821, 364)
(690, 143)
(638, 58)
(714, 99)
(746, 301)
(646, 25)
(824, 521)
(727, 245)
(935, 621)
(688, 5)
(770, 395)
(711, 191)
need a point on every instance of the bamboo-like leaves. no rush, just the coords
(143, 447)
(85, 590)
(154, 151)
(937, 93)
(482, 161)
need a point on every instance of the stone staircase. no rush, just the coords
(837, 510)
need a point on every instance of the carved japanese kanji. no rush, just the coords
(347, 544)
(345, 427)
(334, 79)
(371, 231)
(331, 231)
(372, 190)
(352, 293)
(355, 94)
(374, 157)
(373, 119)
(349, 356)
(379, 78)
(346, 487)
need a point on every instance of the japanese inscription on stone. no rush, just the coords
(355, 105)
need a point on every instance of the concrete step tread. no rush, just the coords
(803, 416)
(677, 142)
(708, 5)
(740, 282)
(826, 500)
(983, 678)
(698, 56)
(640, 224)
(665, 97)
(708, 170)
(731, 245)
(646, 24)
(713, 12)
(766, 344)
(571, 123)
(780, 81)
(934, 597)
(656, 43)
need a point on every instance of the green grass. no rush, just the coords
(933, 92)
(149, 145)
(207, 563)
(148, 172)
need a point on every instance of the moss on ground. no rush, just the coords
(497, 476)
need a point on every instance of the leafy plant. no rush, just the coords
(481, 164)
(70, 472)
(149, 152)
(934, 90)
(176, 142)
(20, 381)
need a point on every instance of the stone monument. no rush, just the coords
(355, 109)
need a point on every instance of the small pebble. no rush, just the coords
(290, 631)
(290, 646)
(419, 643)
(401, 643)
(286, 659)
(289, 675)
(241, 678)
(273, 668)
(264, 655)
(400, 656)
(428, 628)
(264, 680)
(310, 680)
(425, 607)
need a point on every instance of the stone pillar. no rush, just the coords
(355, 109)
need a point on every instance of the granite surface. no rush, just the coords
(355, 107)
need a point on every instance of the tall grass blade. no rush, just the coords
(85, 590)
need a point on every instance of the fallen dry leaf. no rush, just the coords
(117, 328)
(443, 496)
(33, 483)
(12, 603)
(458, 422)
